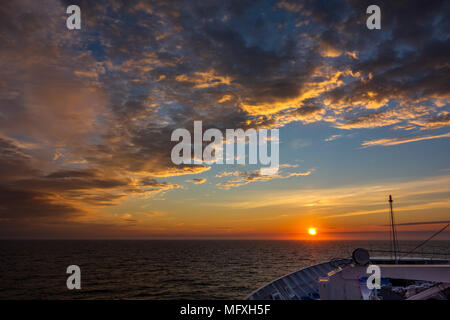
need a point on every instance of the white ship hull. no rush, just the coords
(304, 284)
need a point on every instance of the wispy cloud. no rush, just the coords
(343, 200)
(245, 177)
(396, 141)
(333, 137)
(197, 180)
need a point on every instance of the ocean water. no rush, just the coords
(122, 269)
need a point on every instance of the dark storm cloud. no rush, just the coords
(14, 164)
(19, 204)
(408, 61)
(27, 193)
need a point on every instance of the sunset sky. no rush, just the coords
(86, 118)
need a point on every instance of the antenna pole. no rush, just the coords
(394, 233)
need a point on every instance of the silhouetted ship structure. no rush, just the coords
(402, 278)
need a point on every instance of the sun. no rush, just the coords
(312, 231)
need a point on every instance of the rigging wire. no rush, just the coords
(424, 242)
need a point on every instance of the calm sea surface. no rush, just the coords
(165, 269)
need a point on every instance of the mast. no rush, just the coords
(394, 232)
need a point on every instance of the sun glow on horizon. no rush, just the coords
(312, 231)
